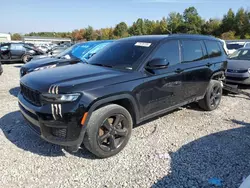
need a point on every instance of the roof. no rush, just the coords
(4, 34)
(38, 37)
(239, 40)
(245, 48)
(156, 38)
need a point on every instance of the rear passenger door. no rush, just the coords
(216, 55)
(16, 50)
(196, 69)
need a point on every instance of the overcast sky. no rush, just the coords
(24, 16)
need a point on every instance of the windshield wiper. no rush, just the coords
(85, 60)
(103, 65)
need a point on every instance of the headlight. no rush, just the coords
(249, 70)
(60, 98)
(45, 67)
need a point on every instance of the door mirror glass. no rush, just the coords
(157, 64)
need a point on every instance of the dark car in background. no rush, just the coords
(128, 82)
(238, 70)
(15, 52)
(1, 69)
(80, 52)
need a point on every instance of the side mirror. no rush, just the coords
(91, 55)
(157, 64)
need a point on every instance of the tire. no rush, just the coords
(103, 138)
(25, 58)
(225, 92)
(212, 97)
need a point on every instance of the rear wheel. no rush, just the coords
(108, 130)
(212, 97)
(26, 58)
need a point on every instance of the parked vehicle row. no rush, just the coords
(78, 53)
(16, 52)
(10, 52)
(97, 103)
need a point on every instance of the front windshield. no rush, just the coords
(120, 54)
(241, 55)
(76, 51)
(234, 46)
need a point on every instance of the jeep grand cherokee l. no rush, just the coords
(130, 81)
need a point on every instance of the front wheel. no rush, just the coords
(212, 97)
(108, 130)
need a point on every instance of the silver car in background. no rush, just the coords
(238, 67)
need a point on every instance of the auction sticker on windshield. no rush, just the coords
(143, 44)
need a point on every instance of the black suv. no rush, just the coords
(130, 81)
(13, 52)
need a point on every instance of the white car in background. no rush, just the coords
(224, 44)
(233, 46)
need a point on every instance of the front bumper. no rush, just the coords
(65, 130)
(238, 78)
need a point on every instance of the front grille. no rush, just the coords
(59, 132)
(235, 78)
(236, 71)
(31, 95)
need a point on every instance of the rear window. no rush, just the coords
(234, 46)
(213, 49)
(191, 50)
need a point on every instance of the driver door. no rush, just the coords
(163, 86)
(5, 51)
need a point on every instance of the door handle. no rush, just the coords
(179, 70)
(209, 64)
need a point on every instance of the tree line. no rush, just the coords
(231, 26)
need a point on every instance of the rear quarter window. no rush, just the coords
(213, 48)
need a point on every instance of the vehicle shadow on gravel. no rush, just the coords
(14, 91)
(16, 130)
(223, 156)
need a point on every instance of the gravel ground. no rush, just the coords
(184, 148)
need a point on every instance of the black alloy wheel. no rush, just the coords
(112, 132)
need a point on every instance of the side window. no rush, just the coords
(169, 51)
(16, 47)
(4, 47)
(247, 44)
(213, 49)
(192, 51)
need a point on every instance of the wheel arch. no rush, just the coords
(218, 75)
(125, 100)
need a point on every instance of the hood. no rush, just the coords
(238, 64)
(40, 56)
(48, 61)
(76, 77)
(40, 63)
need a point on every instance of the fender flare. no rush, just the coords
(222, 73)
